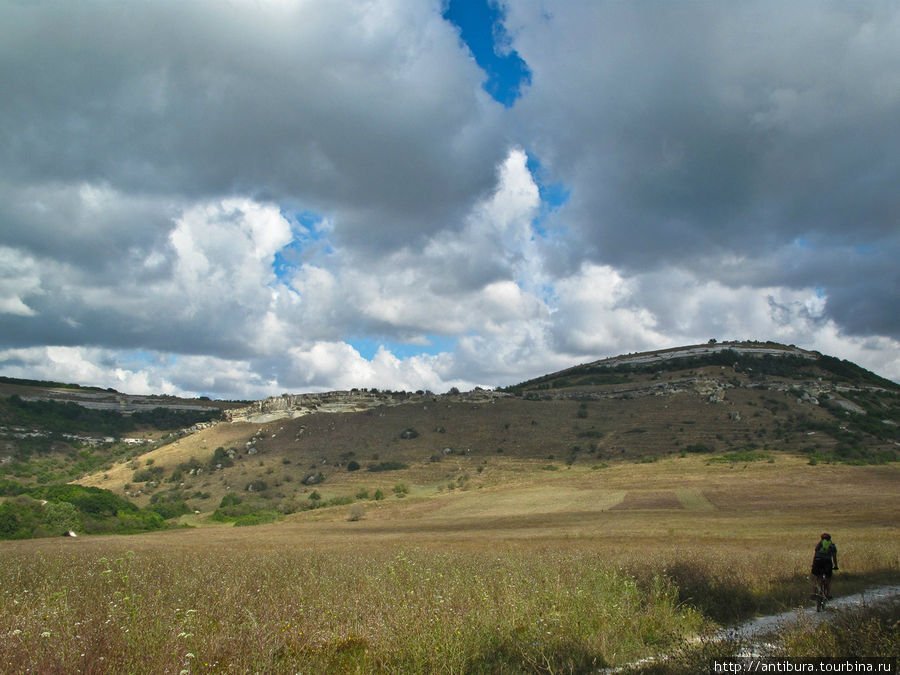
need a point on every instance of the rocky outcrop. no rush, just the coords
(752, 349)
(298, 405)
(711, 389)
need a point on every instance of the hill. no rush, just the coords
(737, 401)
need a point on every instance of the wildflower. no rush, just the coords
(45, 634)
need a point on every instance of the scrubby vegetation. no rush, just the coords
(54, 510)
(59, 417)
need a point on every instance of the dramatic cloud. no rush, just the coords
(246, 198)
(692, 134)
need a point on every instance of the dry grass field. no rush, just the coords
(558, 570)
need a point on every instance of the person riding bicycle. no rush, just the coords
(824, 561)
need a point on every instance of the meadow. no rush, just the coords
(560, 571)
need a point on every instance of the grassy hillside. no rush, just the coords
(445, 445)
(725, 405)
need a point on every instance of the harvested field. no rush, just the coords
(649, 500)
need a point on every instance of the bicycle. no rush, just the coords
(821, 594)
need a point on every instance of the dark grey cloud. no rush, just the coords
(372, 112)
(103, 234)
(711, 130)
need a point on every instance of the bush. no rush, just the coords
(139, 521)
(171, 509)
(256, 486)
(221, 458)
(169, 504)
(229, 499)
(352, 465)
(90, 501)
(257, 518)
(19, 518)
(149, 474)
(61, 517)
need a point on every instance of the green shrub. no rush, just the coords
(339, 501)
(314, 478)
(230, 499)
(169, 504)
(146, 475)
(61, 517)
(221, 458)
(257, 518)
(90, 501)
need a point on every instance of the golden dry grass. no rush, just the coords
(528, 570)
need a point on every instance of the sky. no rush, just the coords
(246, 198)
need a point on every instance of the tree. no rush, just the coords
(61, 517)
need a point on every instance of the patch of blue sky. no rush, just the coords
(368, 346)
(554, 195)
(308, 233)
(481, 28)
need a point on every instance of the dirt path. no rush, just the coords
(752, 633)
(765, 625)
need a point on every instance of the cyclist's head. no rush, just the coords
(825, 535)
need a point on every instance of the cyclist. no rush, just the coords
(824, 561)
